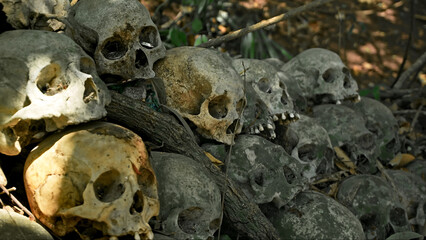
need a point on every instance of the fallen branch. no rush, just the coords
(417, 65)
(262, 24)
(163, 129)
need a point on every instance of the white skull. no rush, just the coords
(94, 179)
(265, 80)
(47, 83)
(308, 141)
(202, 86)
(322, 76)
(312, 215)
(346, 129)
(375, 204)
(265, 172)
(36, 14)
(124, 41)
(382, 123)
(190, 200)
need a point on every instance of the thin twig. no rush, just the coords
(262, 24)
(417, 65)
(19, 204)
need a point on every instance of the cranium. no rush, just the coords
(381, 122)
(95, 179)
(120, 35)
(308, 141)
(346, 129)
(265, 172)
(322, 76)
(375, 204)
(47, 83)
(202, 86)
(265, 80)
(41, 15)
(190, 201)
(312, 215)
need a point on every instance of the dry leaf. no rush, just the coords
(343, 157)
(333, 190)
(401, 160)
(214, 160)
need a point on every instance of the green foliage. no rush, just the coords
(258, 45)
(200, 39)
(374, 92)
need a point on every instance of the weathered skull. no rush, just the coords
(265, 80)
(308, 141)
(322, 76)
(381, 122)
(36, 14)
(346, 129)
(95, 179)
(312, 215)
(375, 204)
(265, 172)
(412, 191)
(202, 86)
(190, 200)
(47, 83)
(120, 35)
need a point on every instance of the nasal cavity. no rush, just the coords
(141, 60)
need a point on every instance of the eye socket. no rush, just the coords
(307, 153)
(148, 37)
(113, 49)
(328, 75)
(264, 85)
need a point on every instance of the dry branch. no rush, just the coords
(417, 65)
(163, 129)
(262, 24)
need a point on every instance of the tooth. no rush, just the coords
(251, 131)
(291, 115)
(297, 115)
(261, 128)
(273, 135)
(269, 126)
(275, 118)
(338, 102)
(283, 117)
(358, 98)
(256, 130)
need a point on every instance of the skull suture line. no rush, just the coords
(94, 178)
(202, 86)
(265, 79)
(47, 83)
(322, 76)
(124, 41)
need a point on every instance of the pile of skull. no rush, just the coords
(91, 180)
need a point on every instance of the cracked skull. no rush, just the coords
(265, 172)
(124, 41)
(322, 76)
(308, 141)
(190, 200)
(202, 86)
(47, 83)
(346, 129)
(265, 80)
(78, 180)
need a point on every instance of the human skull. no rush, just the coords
(47, 83)
(308, 141)
(190, 200)
(41, 15)
(265, 172)
(312, 215)
(412, 191)
(202, 86)
(322, 76)
(265, 80)
(120, 35)
(346, 129)
(375, 204)
(95, 179)
(381, 122)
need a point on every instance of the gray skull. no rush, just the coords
(120, 35)
(322, 76)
